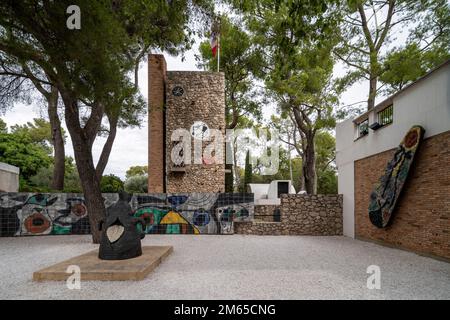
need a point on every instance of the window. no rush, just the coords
(385, 116)
(363, 128)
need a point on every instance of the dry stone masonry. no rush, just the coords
(201, 100)
(266, 213)
(300, 215)
(184, 101)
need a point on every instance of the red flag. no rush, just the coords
(214, 43)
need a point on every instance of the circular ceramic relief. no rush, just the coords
(37, 223)
(177, 91)
(201, 217)
(200, 130)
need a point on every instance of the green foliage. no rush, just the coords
(241, 62)
(325, 157)
(39, 131)
(369, 30)
(19, 150)
(41, 181)
(136, 179)
(3, 127)
(91, 67)
(248, 172)
(301, 82)
(162, 24)
(327, 182)
(405, 65)
(137, 184)
(136, 170)
(283, 172)
(297, 40)
(72, 181)
(111, 184)
(326, 172)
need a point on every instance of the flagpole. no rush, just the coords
(218, 52)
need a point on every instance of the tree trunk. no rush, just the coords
(302, 175)
(106, 151)
(91, 190)
(82, 145)
(372, 91)
(57, 141)
(309, 153)
(90, 185)
(373, 79)
(309, 165)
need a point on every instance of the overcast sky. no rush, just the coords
(130, 145)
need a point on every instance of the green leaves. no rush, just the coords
(241, 62)
(136, 170)
(136, 184)
(39, 131)
(3, 127)
(111, 184)
(368, 33)
(19, 150)
(405, 65)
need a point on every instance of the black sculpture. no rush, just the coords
(121, 235)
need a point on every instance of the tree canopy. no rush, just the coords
(241, 64)
(369, 35)
(136, 170)
(90, 66)
(19, 149)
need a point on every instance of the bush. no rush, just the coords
(111, 184)
(137, 184)
(42, 180)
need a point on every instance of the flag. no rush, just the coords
(214, 43)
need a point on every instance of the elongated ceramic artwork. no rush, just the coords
(34, 214)
(387, 191)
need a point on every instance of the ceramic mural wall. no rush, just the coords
(23, 214)
(383, 198)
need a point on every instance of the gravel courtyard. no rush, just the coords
(233, 267)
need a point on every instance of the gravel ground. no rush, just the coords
(233, 267)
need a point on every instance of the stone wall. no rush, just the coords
(202, 99)
(265, 212)
(421, 220)
(300, 215)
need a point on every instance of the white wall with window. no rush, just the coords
(426, 102)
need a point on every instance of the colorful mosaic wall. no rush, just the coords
(23, 214)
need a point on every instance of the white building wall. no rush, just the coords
(425, 103)
(9, 178)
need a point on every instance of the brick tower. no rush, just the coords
(190, 100)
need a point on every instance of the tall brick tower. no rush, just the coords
(156, 161)
(190, 100)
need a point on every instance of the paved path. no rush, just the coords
(234, 267)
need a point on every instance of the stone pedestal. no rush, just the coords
(93, 268)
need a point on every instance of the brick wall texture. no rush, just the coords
(421, 221)
(156, 83)
(203, 100)
(319, 215)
